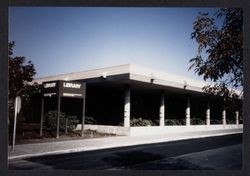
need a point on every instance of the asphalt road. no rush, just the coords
(222, 152)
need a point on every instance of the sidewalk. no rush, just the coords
(39, 149)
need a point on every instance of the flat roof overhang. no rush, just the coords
(144, 83)
(137, 77)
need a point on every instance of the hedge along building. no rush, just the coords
(116, 95)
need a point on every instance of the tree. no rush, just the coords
(20, 76)
(220, 50)
(19, 73)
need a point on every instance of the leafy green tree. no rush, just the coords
(20, 76)
(220, 50)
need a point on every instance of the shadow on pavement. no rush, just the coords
(139, 157)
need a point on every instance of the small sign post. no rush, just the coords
(17, 110)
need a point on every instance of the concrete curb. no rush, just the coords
(108, 146)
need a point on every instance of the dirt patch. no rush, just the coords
(30, 133)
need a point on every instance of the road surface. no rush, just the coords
(222, 152)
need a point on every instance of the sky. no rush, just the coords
(68, 39)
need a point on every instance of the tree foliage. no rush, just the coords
(220, 49)
(20, 76)
(231, 99)
(20, 73)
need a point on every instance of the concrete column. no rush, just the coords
(58, 116)
(127, 107)
(208, 114)
(237, 117)
(162, 111)
(188, 112)
(224, 122)
(83, 112)
(66, 125)
(42, 111)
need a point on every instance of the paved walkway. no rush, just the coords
(39, 149)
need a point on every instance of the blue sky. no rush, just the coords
(68, 39)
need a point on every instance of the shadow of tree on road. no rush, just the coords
(125, 159)
(139, 160)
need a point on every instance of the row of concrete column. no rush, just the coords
(162, 111)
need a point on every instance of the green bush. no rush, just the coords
(140, 122)
(172, 122)
(51, 120)
(90, 120)
(156, 122)
(197, 121)
(230, 121)
(72, 122)
(215, 122)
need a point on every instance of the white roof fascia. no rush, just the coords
(165, 79)
(136, 73)
(108, 71)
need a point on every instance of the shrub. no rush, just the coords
(215, 122)
(230, 121)
(140, 122)
(72, 122)
(51, 120)
(90, 120)
(156, 122)
(197, 121)
(172, 122)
